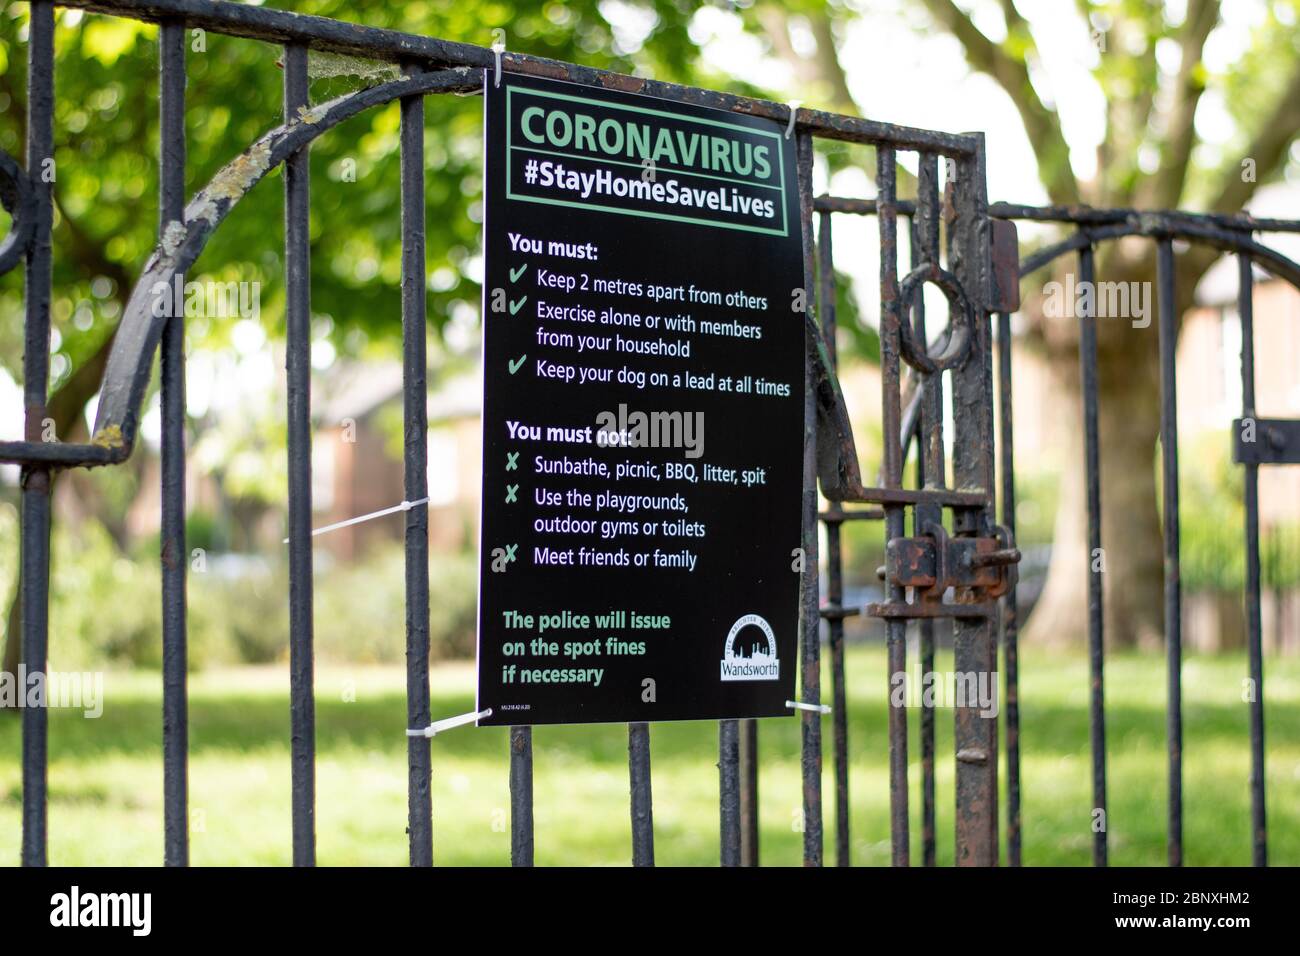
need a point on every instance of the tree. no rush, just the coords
(1151, 157)
(106, 183)
(105, 227)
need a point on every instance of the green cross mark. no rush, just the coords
(512, 461)
(510, 493)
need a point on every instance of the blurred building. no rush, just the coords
(357, 465)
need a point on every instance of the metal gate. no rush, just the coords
(956, 546)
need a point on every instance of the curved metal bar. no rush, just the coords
(1089, 216)
(127, 373)
(1230, 240)
(1075, 242)
(18, 200)
(1227, 233)
(1205, 231)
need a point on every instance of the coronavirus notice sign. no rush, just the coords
(642, 410)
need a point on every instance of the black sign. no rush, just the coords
(643, 382)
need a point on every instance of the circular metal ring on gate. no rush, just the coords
(16, 197)
(961, 321)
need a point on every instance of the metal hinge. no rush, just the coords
(1004, 267)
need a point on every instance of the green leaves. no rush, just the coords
(106, 168)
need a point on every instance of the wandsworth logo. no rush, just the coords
(750, 652)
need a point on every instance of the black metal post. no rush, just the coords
(416, 482)
(175, 557)
(1096, 563)
(809, 598)
(521, 796)
(975, 732)
(642, 802)
(1254, 643)
(1010, 620)
(834, 612)
(1168, 326)
(749, 792)
(34, 560)
(892, 475)
(297, 271)
(729, 790)
(932, 473)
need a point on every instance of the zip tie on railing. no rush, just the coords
(438, 726)
(497, 51)
(814, 708)
(404, 506)
(794, 108)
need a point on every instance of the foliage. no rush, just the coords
(105, 189)
(1037, 494)
(1212, 533)
(361, 608)
(107, 177)
(106, 148)
(105, 606)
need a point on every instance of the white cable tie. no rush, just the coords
(794, 108)
(497, 51)
(814, 708)
(404, 506)
(438, 726)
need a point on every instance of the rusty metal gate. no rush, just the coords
(957, 564)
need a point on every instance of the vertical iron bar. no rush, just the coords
(1246, 311)
(749, 792)
(35, 541)
(297, 270)
(521, 796)
(975, 733)
(638, 764)
(834, 567)
(729, 790)
(419, 801)
(810, 615)
(921, 515)
(839, 694)
(1010, 622)
(1168, 323)
(928, 826)
(1096, 642)
(932, 471)
(171, 208)
(892, 473)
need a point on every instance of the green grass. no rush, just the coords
(106, 775)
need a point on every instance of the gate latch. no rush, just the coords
(980, 569)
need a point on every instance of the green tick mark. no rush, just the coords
(515, 364)
(516, 273)
(517, 304)
(510, 493)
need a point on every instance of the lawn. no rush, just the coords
(106, 774)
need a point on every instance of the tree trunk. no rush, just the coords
(67, 407)
(1128, 421)
(13, 644)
